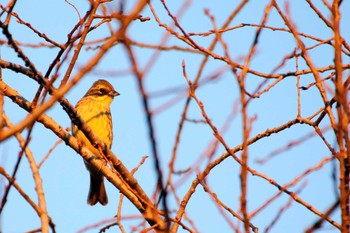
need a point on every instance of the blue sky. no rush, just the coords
(65, 179)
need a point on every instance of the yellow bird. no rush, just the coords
(94, 109)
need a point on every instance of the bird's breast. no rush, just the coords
(99, 119)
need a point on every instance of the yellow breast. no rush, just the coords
(97, 116)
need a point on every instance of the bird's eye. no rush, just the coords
(102, 90)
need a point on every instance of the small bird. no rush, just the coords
(94, 109)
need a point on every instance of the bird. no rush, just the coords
(94, 109)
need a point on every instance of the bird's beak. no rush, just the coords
(114, 93)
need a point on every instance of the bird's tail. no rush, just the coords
(97, 191)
